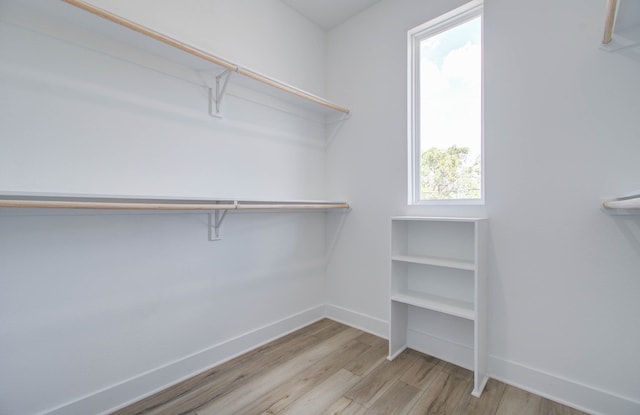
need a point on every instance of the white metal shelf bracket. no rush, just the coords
(215, 102)
(215, 223)
(334, 126)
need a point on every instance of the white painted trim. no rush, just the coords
(396, 354)
(358, 320)
(448, 20)
(162, 377)
(478, 392)
(568, 392)
(445, 349)
(460, 15)
(557, 388)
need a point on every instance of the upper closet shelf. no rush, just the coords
(622, 25)
(126, 31)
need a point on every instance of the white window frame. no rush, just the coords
(440, 24)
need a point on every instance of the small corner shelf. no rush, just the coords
(215, 208)
(190, 56)
(438, 290)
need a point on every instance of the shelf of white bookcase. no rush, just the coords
(439, 262)
(437, 303)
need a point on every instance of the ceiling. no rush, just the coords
(329, 13)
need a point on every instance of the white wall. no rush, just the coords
(561, 133)
(121, 304)
(266, 35)
(98, 308)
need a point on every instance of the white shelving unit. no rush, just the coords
(438, 290)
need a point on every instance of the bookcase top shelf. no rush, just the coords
(438, 218)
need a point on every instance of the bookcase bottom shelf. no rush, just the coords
(436, 334)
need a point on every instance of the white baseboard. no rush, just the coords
(569, 392)
(155, 380)
(358, 320)
(444, 349)
(565, 391)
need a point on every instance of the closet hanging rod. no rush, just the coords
(204, 55)
(609, 21)
(68, 204)
(205, 205)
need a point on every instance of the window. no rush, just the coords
(445, 101)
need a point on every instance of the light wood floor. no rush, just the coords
(330, 368)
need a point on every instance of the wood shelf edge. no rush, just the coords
(153, 204)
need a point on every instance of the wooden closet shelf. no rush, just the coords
(223, 64)
(154, 204)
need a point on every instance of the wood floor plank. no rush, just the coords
(260, 385)
(330, 368)
(456, 371)
(422, 372)
(201, 388)
(443, 395)
(345, 406)
(320, 398)
(230, 378)
(287, 392)
(518, 401)
(381, 378)
(487, 403)
(367, 361)
(397, 400)
(548, 407)
(373, 340)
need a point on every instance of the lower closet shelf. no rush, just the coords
(216, 209)
(52, 201)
